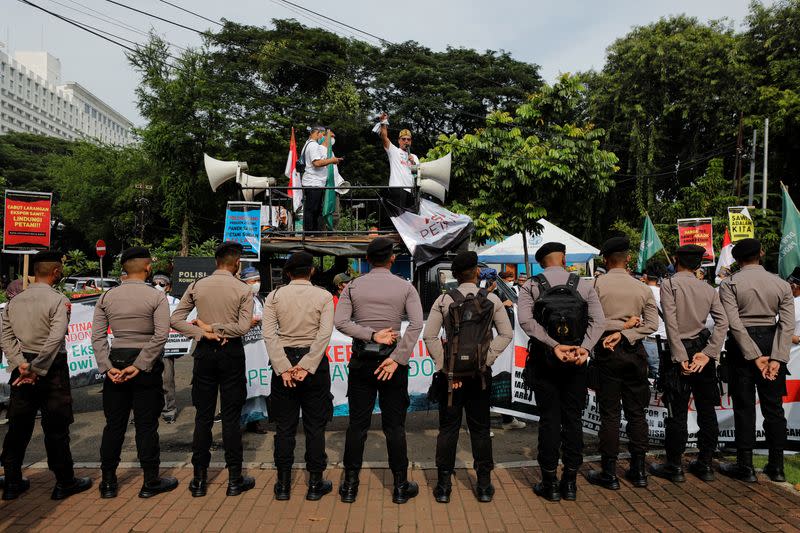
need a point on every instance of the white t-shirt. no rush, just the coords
(661, 331)
(314, 176)
(797, 315)
(400, 163)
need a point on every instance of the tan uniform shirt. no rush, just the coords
(379, 300)
(622, 297)
(222, 301)
(529, 293)
(753, 297)
(686, 303)
(35, 321)
(441, 308)
(297, 315)
(139, 318)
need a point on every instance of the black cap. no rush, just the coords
(547, 249)
(464, 262)
(380, 249)
(615, 244)
(690, 250)
(47, 256)
(135, 252)
(298, 260)
(227, 247)
(746, 248)
(794, 277)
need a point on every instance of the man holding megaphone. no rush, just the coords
(401, 162)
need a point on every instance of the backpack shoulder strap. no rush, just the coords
(456, 296)
(572, 281)
(542, 280)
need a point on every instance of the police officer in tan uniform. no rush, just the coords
(622, 365)
(371, 310)
(692, 368)
(757, 353)
(34, 325)
(472, 395)
(138, 316)
(298, 322)
(224, 314)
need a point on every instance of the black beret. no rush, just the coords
(464, 262)
(135, 252)
(794, 277)
(299, 260)
(547, 249)
(614, 245)
(746, 248)
(227, 247)
(690, 250)
(47, 256)
(380, 249)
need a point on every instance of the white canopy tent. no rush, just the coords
(511, 250)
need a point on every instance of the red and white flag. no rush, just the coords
(726, 254)
(294, 176)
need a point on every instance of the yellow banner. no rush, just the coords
(741, 224)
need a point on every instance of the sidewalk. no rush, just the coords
(723, 505)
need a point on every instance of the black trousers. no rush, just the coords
(362, 388)
(744, 380)
(52, 395)
(703, 387)
(560, 391)
(218, 369)
(623, 379)
(474, 400)
(143, 395)
(313, 396)
(312, 208)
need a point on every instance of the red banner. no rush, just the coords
(698, 231)
(27, 221)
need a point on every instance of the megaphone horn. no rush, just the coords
(343, 187)
(433, 177)
(260, 184)
(219, 172)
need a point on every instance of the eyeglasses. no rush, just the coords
(160, 284)
(405, 139)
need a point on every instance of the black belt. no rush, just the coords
(294, 354)
(30, 356)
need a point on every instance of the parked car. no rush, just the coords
(81, 283)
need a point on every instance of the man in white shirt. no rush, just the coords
(401, 161)
(794, 282)
(315, 158)
(654, 273)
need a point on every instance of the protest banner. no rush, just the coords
(26, 227)
(243, 225)
(698, 231)
(740, 223)
(187, 270)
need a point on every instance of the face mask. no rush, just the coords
(255, 287)
(159, 288)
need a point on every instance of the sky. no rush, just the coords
(563, 36)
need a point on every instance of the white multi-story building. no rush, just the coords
(33, 100)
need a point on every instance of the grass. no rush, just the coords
(791, 466)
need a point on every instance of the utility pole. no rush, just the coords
(751, 190)
(739, 152)
(764, 177)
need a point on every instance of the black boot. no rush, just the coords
(637, 473)
(444, 486)
(317, 486)
(239, 484)
(14, 485)
(774, 468)
(569, 484)
(404, 489)
(548, 487)
(199, 484)
(671, 469)
(742, 469)
(283, 485)
(65, 490)
(108, 484)
(607, 477)
(348, 490)
(153, 484)
(701, 467)
(484, 490)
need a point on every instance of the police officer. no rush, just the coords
(34, 325)
(691, 368)
(298, 322)
(622, 365)
(370, 310)
(757, 353)
(559, 375)
(139, 317)
(470, 395)
(224, 314)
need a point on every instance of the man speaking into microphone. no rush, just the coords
(401, 161)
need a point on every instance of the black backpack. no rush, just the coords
(300, 165)
(561, 310)
(468, 326)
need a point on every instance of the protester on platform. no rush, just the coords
(794, 283)
(757, 353)
(401, 163)
(655, 272)
(298, 323)
(138, 316)
(169, 413)
(254, 412)
(314, 156)
(35, 323)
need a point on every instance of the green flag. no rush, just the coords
(650, 244)
(329, 202)
(789, 255)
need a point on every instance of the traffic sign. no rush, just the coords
(100, 246)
